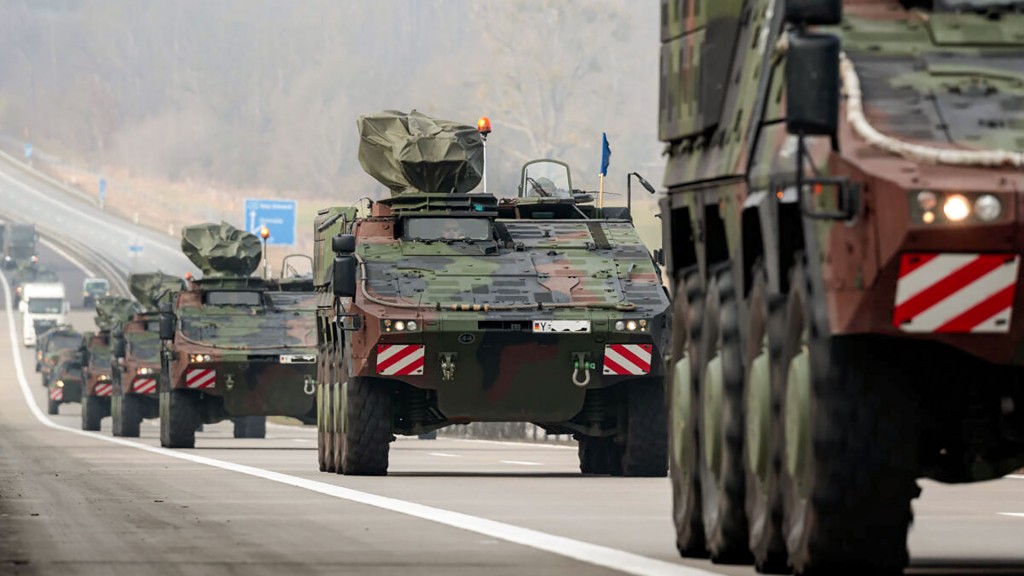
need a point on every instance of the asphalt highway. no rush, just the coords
(73, 502)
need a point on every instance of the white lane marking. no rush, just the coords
(301, 440)
(443, 455)
(67, 257)
(1016, 476)
(520, 462)
(594, 554)
(1015, 514)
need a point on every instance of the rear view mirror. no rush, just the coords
(344, 276)
(812, 85)
(166, 322)
(343, 244)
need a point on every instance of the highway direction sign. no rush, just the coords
(277, 215)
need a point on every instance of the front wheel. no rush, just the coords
(365, 431)
(52, 407)
(131, 415)
(179, 418)
(92, 413)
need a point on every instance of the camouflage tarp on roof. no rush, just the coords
(147, 287)
(416, 153)
(221, 249)
(113, 309)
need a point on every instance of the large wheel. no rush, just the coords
(849, 446)
(365, 434)
(52, 407)
(250, 426)
(599, 455)
(722, 474)
(131, 415)
(117, 413)
(179, 418)
(92, 413)
(680, 393)
(646, 448)
(321, 423)
(763, 500)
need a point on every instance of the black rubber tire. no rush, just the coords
(250, 426)
(52, 407)
(861, 469)
(321, 422)
(179, 419)
(432, 435)
(645, 452)
(92, 413)
(131, 415)
(686, 496)
(116, 413)
(599, 455)
(367, 425)
(764, 501)
(723, 489)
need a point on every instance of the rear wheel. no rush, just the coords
(849, 446)
(92, 413)
(250, 426)
(599, 455)
(131, 415)
(681, 391)
(365, 433)
(179, 418)
(721, 425)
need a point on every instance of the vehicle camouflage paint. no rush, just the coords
(136, 351)
(233, 346)
(19, 245)
(66, 381)
(54, 345)
(447, 307)
(843, 329)
(98, 360)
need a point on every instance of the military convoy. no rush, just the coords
(845, 270)
(20, 245)
(233, 347)
(444, 306)
(136, 354)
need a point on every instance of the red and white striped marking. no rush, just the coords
(955, 293)
(144, 385)
(200, 378)
(56, 394)
(103, 389)
(400, 359)
(627, 359)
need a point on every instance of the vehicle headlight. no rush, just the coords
(199, 358)
(60, 384)
(630, 325)
(143, 371)
(987, 208)
(400, 325)
(411, 325)
(956, 208)
(620, 325)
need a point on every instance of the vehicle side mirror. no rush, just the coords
(812, 84)
(814, 12)
(344, 276)
(343, 244)
(166, 322)
(659, 256)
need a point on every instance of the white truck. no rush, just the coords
(42, 306)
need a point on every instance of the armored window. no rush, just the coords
(232, 298)
(447, 229)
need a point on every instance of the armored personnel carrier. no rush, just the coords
(20, 245)
(444, 306)
(136, 351)
(232, 346)
(98, 359)
(843, 235)
(51, 344)
(66, 380)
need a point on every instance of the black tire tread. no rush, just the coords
(179, 419)
(646, 449)
(599, 455)
(131, 415)
(92, 413)
(367, 436)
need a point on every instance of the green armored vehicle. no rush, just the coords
(54, 345)
(98, 360)
(20, 245)
(233, 347)
(136, 353)
(66, 380)
(843, 235)
(445, 307)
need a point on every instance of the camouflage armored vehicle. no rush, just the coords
(842, 232)
(445, 307)
(98, 360)
(66, 381)
(19, 245)
(232, 346)
(136, 354)
(93, 288)
(52, 346)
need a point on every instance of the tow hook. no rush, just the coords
(448, 366)
(580, 362)
(229, 382)
(309, 386)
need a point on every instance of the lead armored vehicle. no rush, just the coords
(136, 354)
(443, 306)
(843, 234)
(232, 346)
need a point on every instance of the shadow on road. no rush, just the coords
(966, 567)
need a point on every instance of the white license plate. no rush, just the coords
(298, 358)
(561, 326)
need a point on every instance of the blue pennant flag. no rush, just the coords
(606, 154)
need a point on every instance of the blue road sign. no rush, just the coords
(277, 215)
(28, 151)
(135, 248)
(103, 185)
